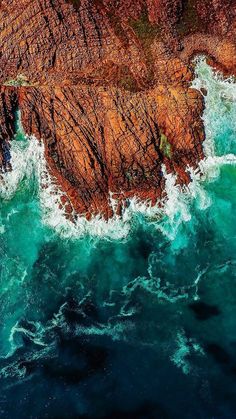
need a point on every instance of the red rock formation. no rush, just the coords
(106, 85)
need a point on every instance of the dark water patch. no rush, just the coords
(204, 311)
(29, 366)
(233, 370)
(146, 410)
(89, 309)
(77, 359)
(219, 354)
(81, 313)
(66, 374)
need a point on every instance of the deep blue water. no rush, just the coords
(96, 325)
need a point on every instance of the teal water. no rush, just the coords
(134, 319)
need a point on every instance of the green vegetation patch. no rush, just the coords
(165, 146)
(126, 79)
(127, 82)
(20, 80)
(190, 21)
(144, 30)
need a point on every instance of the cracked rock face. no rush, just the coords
(106, 85)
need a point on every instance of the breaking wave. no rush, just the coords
(80, 318)
(28, 162)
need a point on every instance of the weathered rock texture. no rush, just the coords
(106, 85)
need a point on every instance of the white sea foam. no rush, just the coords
(220, 105)
(28, 161)
(174, 209)
(184, 348)
(23, 158)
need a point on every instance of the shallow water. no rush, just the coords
(134, 319)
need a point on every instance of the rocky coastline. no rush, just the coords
(107, 86)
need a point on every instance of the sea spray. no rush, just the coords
(175, 209)
(220, 109)
(88, 326)
(24, 156)
(168, 214)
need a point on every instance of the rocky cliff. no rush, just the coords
(106, 85)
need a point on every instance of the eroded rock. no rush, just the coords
(107, 86)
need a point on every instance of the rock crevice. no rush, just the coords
(107, 86)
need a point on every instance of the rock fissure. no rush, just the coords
(107, 86)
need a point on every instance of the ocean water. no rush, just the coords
(135, 318)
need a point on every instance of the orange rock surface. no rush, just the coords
(107, 85)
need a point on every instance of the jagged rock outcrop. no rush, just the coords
(106, 85)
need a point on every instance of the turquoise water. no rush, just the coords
(135, 319)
